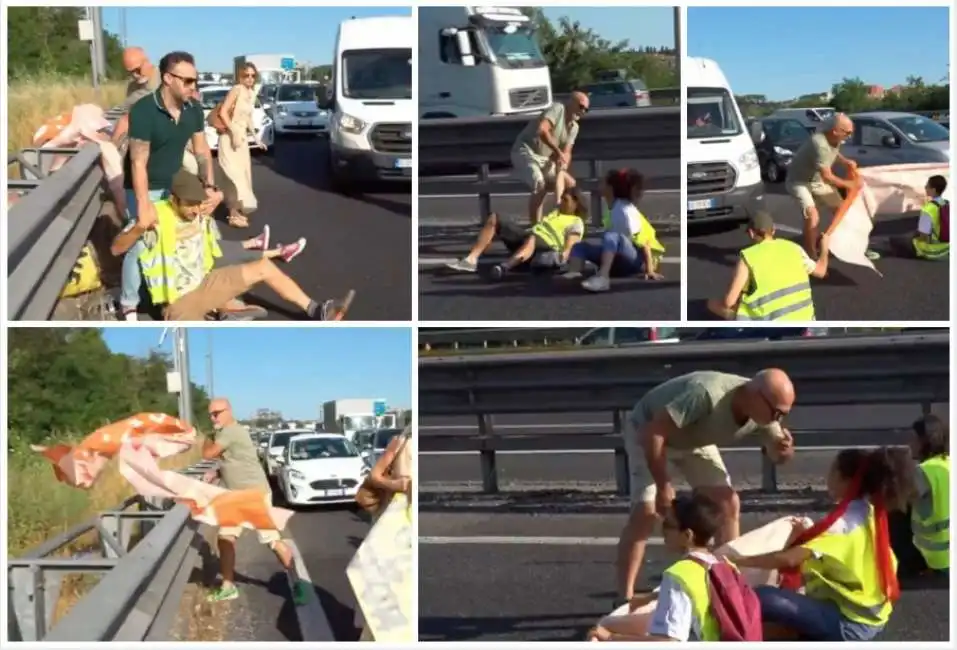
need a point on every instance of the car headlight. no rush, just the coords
(296, 475)
(748, 160)
(781, 151)
(351, 124)
(281, 110)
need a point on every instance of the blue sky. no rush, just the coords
(291, 370)
(214, 35)
(641, 26)
(784, 52)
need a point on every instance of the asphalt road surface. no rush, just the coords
(910, 290)
(549, 577)
(359, 242)
(327, 537)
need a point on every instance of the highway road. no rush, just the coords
(910, 290)
(449, 221)
(549, 576)
(327, 537)
(359, 242)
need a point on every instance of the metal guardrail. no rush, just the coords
(658, 97)
(878, 369)
(497, 336)
(48, 227)
(604, 136)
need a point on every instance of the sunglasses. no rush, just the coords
(777, 415)
(188, 81)
(215, 414)
(135, 72)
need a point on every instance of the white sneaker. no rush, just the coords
(597, 283)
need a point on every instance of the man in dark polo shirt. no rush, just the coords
(160, 126)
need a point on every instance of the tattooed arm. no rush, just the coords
(139, 157)
(200, 147)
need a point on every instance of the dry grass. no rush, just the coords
(31, 103)
(40, 508)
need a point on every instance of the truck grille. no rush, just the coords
(333, 483)
(710, 178)
(528, 98)
(392, 138)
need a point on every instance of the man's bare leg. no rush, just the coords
(730, 503)
(485, 238)
(267, 272)
(812, 219)
(631, 546)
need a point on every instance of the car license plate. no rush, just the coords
(694, 206)
(403, 163)
(334, 493)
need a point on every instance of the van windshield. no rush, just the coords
(377, 74)
(712, 114)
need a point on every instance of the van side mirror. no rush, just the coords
(890, 141)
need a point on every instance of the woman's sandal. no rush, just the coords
(237, 222)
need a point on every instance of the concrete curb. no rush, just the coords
(313, 622)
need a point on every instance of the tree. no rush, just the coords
(45, 41)
(67, 381)
(577, 55)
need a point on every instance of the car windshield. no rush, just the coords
(210, 98)
(315, 448)
(377, 74)
(711, 114)
(282, 439)
(296, 94)
(384, 436)
(921, 129)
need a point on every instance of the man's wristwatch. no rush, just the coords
(210, 186)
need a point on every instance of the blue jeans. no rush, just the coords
(628, 259)
(132, 279)
(813, 620)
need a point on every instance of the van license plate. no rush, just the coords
(694, 206)
(403, 163)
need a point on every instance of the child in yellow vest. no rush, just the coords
(629, 246)
(682, 613)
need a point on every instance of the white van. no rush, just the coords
(370, 100)
(724, 176)
(479, 61)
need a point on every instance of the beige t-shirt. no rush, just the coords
(563, 133)
(815, 153)
(699, 404)
(136, 91)
(239, 465)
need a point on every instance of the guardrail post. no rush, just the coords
(596, 170)
(485, 199)
(487, 454)
(769, 473)
(925, 408)
(622, 475)
(33, 595)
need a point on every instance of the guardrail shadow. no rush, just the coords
(532, 284)
(469, 629)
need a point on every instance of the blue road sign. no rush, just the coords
(379, 407)
(288, 63)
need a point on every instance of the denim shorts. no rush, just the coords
(812, 619)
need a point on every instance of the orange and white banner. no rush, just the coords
(137, 442)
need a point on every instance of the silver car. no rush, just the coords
(891, 138)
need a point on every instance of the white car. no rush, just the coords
(211, 96)
(321, 468)
(276, 448)
(294, 110)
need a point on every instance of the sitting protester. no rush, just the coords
(550, 241)
(178, 266)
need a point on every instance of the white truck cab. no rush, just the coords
(370, 100)
(479, 61)
(724, 176)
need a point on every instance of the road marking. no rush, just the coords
(474, 195)
(534, 452)
(442, 261)
(531, 541)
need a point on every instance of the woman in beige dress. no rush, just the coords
(392, 473)
(236, 113)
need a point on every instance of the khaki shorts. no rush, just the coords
(218, 288)
(268, 537)
(817, 195)
(534, 172)
(701, 468)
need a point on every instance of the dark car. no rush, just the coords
(782, 138)
(758, 333)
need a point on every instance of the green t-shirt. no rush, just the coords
(239, 466)
(563, 133)
(699, 404)
(150, 121)
(815, 153)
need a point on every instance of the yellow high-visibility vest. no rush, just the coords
(782, 289)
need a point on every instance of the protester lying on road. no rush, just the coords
(770, 280)
(844, 562)
(549, 242)
(629, 246)
(178, 265)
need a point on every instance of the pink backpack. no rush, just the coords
(734, 603)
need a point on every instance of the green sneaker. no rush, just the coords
(872, 255)
(301, 592)
(223, 593)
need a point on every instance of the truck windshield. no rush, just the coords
(513, 47)
(358, 422)
(711, 114)
(377, 74)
